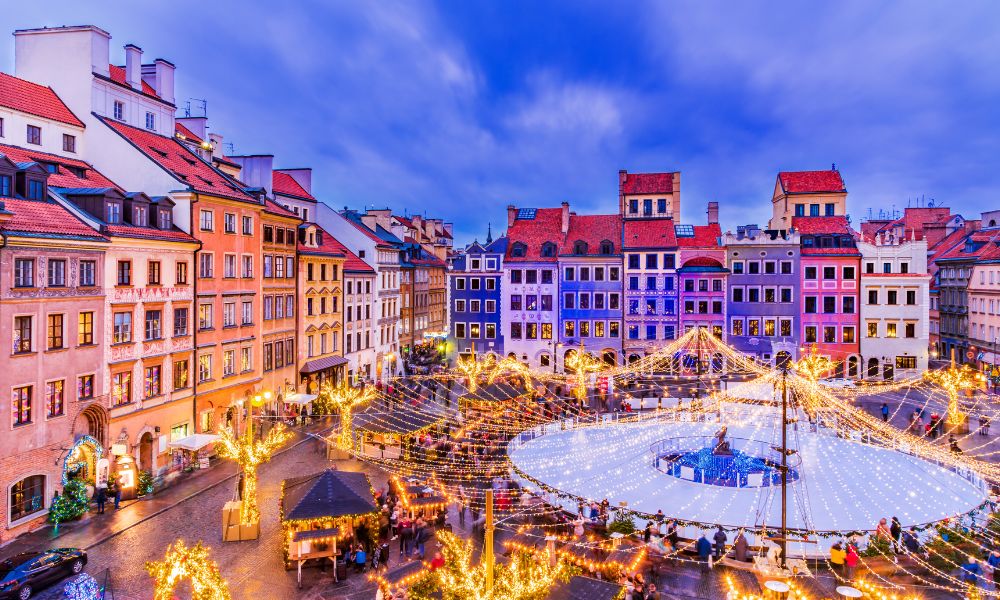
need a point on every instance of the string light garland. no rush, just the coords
(249, 453)
(182, 562)
(582, 364)
(345, 398)
(953, 380)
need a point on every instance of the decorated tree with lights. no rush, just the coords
(344, 399)
(250, 453)
(181, 562)
(582, 364)
(954, 380)
(514, 367)
(814, 366)
(473, 367)
(525, 577)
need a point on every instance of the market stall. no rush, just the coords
(390, 432)
(492, 399)
(318, 511)
(193, 451)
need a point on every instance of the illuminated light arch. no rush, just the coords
(81, 441)
(192, 563)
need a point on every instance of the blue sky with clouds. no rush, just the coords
(459, 108)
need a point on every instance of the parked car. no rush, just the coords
(23, 574)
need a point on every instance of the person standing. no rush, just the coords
(885, 412)
(851, 560)
(704, 548)
(102, 499)
(720, 538)
(116, 491)
(741, 547)
(647, 533)
(837, 557)
(896, 531)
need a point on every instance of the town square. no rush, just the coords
(406, 301)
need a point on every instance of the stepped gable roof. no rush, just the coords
(72, 173)
(811, 182)
(43, 219)
(118, 76)
(649, 233)
(180, 162)
(187, 133)
(648, 183)
(702, 236)
(284, 184)
(593, 229)
(33, 99)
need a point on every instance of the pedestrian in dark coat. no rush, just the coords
(720, 542)
(116, 490)
(741, 547)
(102, 499)
(704, 548)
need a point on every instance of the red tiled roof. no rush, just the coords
(545, 227)
(820, 225)
(839, 251)
(333, 246)
(148, 233)
(705, 236)
(92, 178)
(652, 233)
(702, 261)
(285, 184)
(404, 221)
(45, 218)
(593, 229)
(175, 158)
(118, 76)
(948, 243)
(274, 208)
(806, 182)
(187, 133)
(27, 97)
(648, 183)
(988, 248)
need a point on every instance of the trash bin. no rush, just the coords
(341, 570)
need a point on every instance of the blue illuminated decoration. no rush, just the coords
(84, 439)
(726, 470)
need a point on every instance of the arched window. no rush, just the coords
(518, 250)
(27, 497)
(579, 247)
(607, 247)
(548, 249)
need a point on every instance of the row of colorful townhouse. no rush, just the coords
(150, 285)
(624, 285)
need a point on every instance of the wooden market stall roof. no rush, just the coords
(495, 392)
(327, 494)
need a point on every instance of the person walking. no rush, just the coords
(851, 560)
(896, 532)
(837, 557)
(704, 548)
(116, 491)
(102, 499)
(647, 533)
(720, 538)
(885, 412)
(911, 542)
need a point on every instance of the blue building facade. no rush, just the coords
(763, 305)
(590, 287)
(475, 282)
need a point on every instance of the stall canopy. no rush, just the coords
(299, 399)
(327, 494)
(495, 392)
(321, 364)
(194, 442)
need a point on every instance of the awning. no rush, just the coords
(322, 364)
(300, 399)
(194, 442)
(315, 534)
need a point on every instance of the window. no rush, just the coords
(515, 302)
(569, 329)
(88, 269)
(247, 313)
(531, 276)
(229, 314)
(810, 306)
(651, 283)
(848, 305)
(910, 330)
(491, 331)
(153, 325)
(122, 333)
(205, 367)
(85, 329)
(247, 225)
(911, 298)
(229, 266)
(905, 268)
(151, 386)
(829, 335)
(150, 121)
(206, 265)
(810, 272)
(753, 294)
(891, 297)
(475, 283)
(491, 283)
(872, 327)
(57, 273)
(829, 208)
(247, 266)
(546, 302)
(124, 272)
(829, 272)
(651, 261)
(770, 268)
(153, 272)
(246, 358)
(848, 273)
(753, 267)
(22, 335)
(27, 497)
(121, 388)
(786, 267)
(737, 327)
(85, 387)
(800, 210)
(459, 331)
(1, 127)
(633, 206)
(229, 363)
(24, 272)
(34, 135)
(848, 335)
(906, 362)
(55, 332)
(647, 206)
(180, 322)
(36, 189)
(872, 296)
(229, 222)
(810, 334)
(890, 330)
(785, 327)
(206, 220)
(786, 295)
(814, 210)
(737, 294)
(205, 316)
(69, 143)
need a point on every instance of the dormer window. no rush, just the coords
(36, 189)
(164, 222)
(518, 250)
(548, 249)
(5, 186)
(579, 247)
(139, 216)
(607, 248)
(113, 213)
(50, 167)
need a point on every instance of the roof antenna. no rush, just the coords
(833, 167)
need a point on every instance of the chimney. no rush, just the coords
(622, 176)
(565, 218)
(256, 170)
(133, 66)
(511, 215)
(713, 213)
(216, 141)
(162, 79)
(675, 203)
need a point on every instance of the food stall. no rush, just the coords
(389, 432)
